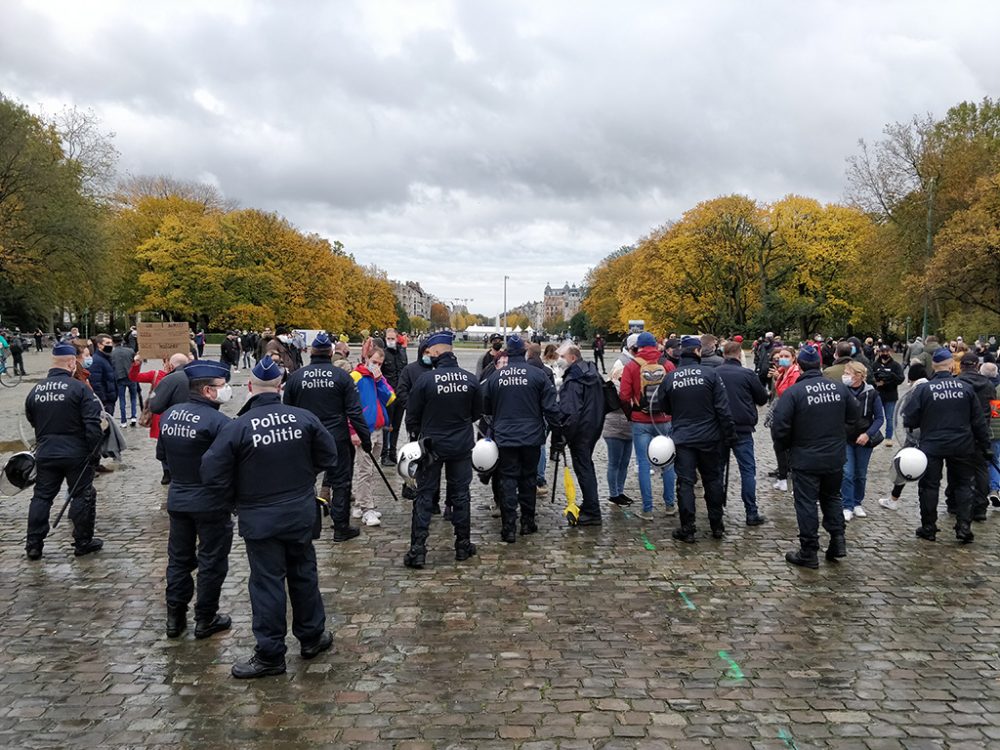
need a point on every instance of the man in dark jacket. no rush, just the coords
(696, 399)
(599, 353)
(442, 407)
(173, 388)
(888, 375)
(102, 373)
(67, 422)
(953, 429)
(272, 453)
(745, 393)
(392, 368)
(581, 409)
(231, 350)
(409, 377)
(985, 393)
(201, 523)
(858, 355)
(709, 351)
(330, 394)
(810, 420)
(496, 346)
(521, 400)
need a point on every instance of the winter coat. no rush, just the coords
(696, 398)
(581, 403)
(103, 381)
(745, 393)
(395, 361)
(631, 385)
(375, 395)
(949, 416)
(521, 400)
(890, 374)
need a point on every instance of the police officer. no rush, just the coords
(66, 416)
(201, 525)
(953, 429)
(272, 453)
(521, 399)
(696, 399)
(410, 375)
(810, 421)
(330, 394)
(442, 407)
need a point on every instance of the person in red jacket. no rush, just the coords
(784, 373)
(640, 379)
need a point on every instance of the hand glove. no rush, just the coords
(366, 446)
(558, 445)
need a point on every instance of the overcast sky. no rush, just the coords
(455, 142)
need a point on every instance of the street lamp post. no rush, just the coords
(505, 306)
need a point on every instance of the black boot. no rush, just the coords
(803, 558)
(464, 549)
(85, 548)
(963, 533)
(718, 531)
(34, 551)
(258, 666)
(176, 621)
(409, 493)
(585, 519)
(684, 534)
(928, 533)
(345, 534)
(216, 625)
(837, 548)
(447, 512)
(754, 518)
(415, 557)
(314, 649)
(508, 532)
(528, 525)
(436, 509)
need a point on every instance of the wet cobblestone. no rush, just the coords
(571, 638)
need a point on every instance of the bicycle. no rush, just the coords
(8, 379)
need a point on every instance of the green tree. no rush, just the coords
(402, 319)
(579, 325)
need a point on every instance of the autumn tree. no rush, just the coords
(440, 318)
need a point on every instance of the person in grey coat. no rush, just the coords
(617, 436)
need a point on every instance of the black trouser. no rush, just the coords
(781, 456)
(396, 422)
(961, 477)
(519, 479)
(19, 363)
(273, 562)
(339, 478)
(599, 360)
(199, 541)
(981, 486)
(705, 461)
(581, 451)
(808, 489)
(458, 477)
(79, 476)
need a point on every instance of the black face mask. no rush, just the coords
(497, 346)
(435, 360)
(107, 349)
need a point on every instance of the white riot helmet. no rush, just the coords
(409, 456)
(18, 473)
(661, 451)
(485, 455)
(910, 464)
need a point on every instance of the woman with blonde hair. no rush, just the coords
(862, 438)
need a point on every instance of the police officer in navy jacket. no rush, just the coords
(67, 420)
(330, 394)
(271, 454)
(696, 398)
(201, 525)
(521, 399)
(810, 421)
(442, 408)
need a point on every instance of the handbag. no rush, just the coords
(146, 415)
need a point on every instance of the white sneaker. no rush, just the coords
(645, 515)
(848, 515)
(782, 485)
(377, 513)
(124, 424)
(860, 512)
(357, 511)
(370, 518)
(889, 503)
(134, 422)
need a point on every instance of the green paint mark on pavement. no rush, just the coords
(687, 601)
(734, 670)
(785, 737)
(648, 544)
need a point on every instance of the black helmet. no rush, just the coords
(18, 474)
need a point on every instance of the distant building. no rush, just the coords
(562, 303)
(533, 311)
(413, 298)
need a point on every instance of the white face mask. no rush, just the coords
(847, 379)
(390, 344)
(284, 339)
(561, 363)
(223, 393)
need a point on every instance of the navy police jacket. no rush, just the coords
(745, 392)
(66, 416)
(187, 431)
(521, 399)
(949, 417)
(330, 394)
(271, 454)
(581, 403)
(810, 419)
(442, 406)
(696, 398)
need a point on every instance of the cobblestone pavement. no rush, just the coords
(615, 637)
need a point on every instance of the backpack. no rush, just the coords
(612, 401)
(651, 377)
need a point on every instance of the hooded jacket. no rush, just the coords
(871, 414)
(631, 386)
(410, 375)
(890, 374)
(375, 396)
(581, 403)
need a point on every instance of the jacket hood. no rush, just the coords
(583, 371)
(649, 353)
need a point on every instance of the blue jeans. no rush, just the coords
(994, 474)
(642, 434)
(890, 409)
(133, 390)
(619, 457)
(747, 462)
(852, 490)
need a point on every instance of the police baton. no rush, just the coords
(381, 473)
(555, 477)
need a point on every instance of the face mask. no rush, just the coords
(854, 350)
(390, 344)
(284, 339)
(497, 346)
(784, 362)
(223, 394)
(561, 362)
(88, 361)
(846, 379)
(107, 349)
(435, 361)
(427, 359)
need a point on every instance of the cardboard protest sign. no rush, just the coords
(160, 340)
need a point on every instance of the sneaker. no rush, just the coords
(357, 511)
(860, 512)
(887, 443)
(133, 422)
(619, 500)
(370, 518)
(670, 509)
(645, 515)
(781, 485)
(123, 425)
(848, 514)
(889, 503)
(995, 499)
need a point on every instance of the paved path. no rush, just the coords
(615, 637)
